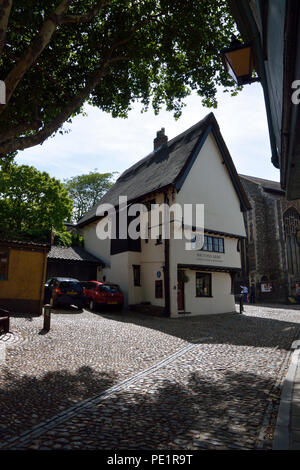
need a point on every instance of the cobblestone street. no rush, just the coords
(203, 382)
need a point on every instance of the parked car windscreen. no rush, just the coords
(88, 285)
(109, 289)
(70, 286)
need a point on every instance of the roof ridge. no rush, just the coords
(258, 178)
(136, 167)
(167, 166)
(168, 144)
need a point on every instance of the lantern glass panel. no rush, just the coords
(239, 64)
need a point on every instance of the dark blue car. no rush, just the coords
(64, 291)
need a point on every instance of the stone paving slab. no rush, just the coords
(215, 395)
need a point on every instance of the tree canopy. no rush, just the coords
(86, 190)
(59, 54)
(32, 203)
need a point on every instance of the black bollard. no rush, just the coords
(241, 303)
(47, 317)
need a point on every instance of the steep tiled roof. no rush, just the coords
(266, 184)
(165, 166)
(25, 244)
(72, 253)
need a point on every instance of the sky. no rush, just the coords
(98, 141)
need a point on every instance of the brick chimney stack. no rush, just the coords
(160, 138)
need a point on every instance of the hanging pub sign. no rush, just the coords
(266, 287)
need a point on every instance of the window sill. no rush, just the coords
(204, 296)
(212, 251)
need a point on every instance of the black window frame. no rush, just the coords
(203, 274)
(159, 291)
(210, 244)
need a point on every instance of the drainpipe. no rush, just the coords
(167, 268)
(263, 79)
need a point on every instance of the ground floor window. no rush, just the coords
(203, 285)
(4, 256)
(159, 289)
(136, 275)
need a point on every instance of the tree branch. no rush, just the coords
(21, 143)
(37, 46)
(118, 59)
(8, 145)
(64, 19)
(5, 8)
(12, 132)
(43, 39)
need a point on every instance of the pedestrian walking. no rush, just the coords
(244, 291)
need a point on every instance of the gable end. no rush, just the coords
(245, 205)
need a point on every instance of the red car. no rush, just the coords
(88, 288)
(102, 294)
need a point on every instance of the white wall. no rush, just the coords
(118, 273)
(222, 301)
(209, 183)
(95, 246)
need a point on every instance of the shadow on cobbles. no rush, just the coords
(227, 328)
(71, 310)
(205, 412)
(28, 400)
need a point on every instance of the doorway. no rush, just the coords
(180, 290)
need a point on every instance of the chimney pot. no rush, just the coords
(160, 138)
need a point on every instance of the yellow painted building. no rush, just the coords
(22, 275)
